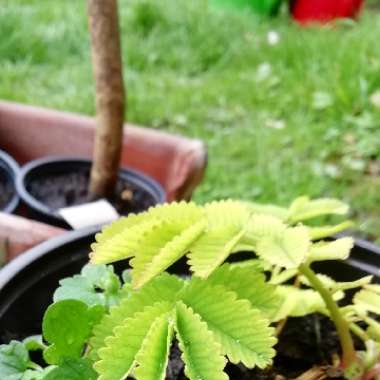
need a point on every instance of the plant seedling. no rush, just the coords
(221, 311)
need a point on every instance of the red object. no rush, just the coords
(321, 11)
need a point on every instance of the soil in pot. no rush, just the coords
(71, 188)
(305, 342)
(49, 184)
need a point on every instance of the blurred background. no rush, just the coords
(285, 109)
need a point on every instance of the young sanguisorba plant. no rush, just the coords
(215, 313)
(208, 235)
(99, 329)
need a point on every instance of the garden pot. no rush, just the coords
(8, 172)
(176, 162)
(321, 11)
(48, 184)
(262, 7)
(18, 234)
(27, 284)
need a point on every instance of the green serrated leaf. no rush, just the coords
(288, 249)
(221, 213)
(249, 283)
(103, 277)
(114, 237)
(373, 288)
(111, 230)
(73, 369)
(373, 329)
(368, 299)
(299, 302)
(96, 285)
(118, 357)
(67, 325)
(34, 343)
(254, 264)
(79, 288)
(321, 232)
(38, 374)
(283, 276)
(267, 209)
(121, 245)
(201, 353)
(164, 288)
(160, 244)
(327, 281)
(164, 246)
(336, 250)
(14, 361)
(125, 238)
(303, 208)
(243, 332)
(260, 226)
(211, 250)
(153, 357)
(126, 276)
(226, 221)
(334, 286)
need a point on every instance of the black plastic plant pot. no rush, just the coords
(27, 284)
(48, 184)
(9, 170)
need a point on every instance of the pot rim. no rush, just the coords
(13, 268)
(10, 270)
(14, 169)
(143, 181)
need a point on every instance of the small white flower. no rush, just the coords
(275, 124)
(375, 98)
(263, 72)
(322, 100)
(273, 37)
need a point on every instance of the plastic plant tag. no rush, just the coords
(89, 214)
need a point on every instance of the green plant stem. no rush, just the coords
(359, 332)
(349, 354)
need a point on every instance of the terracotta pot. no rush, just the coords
(18, 234)
(177, 163)
(321, 11)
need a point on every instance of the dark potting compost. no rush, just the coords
(49, 184)
(71, 189)
(305, 342)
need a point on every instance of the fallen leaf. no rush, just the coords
(374, 167)
(349, 138)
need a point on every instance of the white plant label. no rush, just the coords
(89, 214)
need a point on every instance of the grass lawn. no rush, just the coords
(279, 120)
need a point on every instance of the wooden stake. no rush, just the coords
(110, 95)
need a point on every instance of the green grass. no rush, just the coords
(202, 72)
